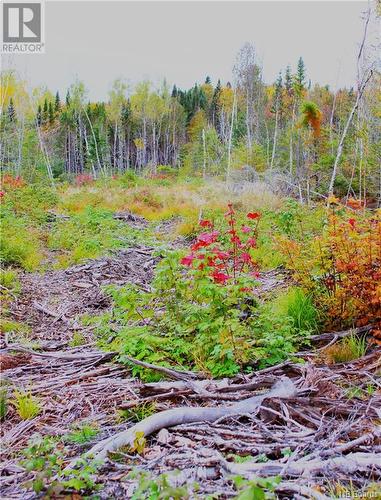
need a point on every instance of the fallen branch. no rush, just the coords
(170, 372)
(284, 388)
(344, 333)
(348, 464)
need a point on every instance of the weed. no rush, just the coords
(256, 488)
(298, 306)
(9, 281)
(27, 406)
(3, 402)
(160, 487)
(77, 339)
(138, 412)
(82, 434)
(44, 456)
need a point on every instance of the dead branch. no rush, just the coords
(284, 388)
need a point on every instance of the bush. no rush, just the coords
(201, 312)
(342, 269)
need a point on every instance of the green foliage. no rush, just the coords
(195, 324)
(138, 412)
(44, 457)
(33, 201)
(27, 406)
(89, 234)
(19, 243)
(159, 488)
(82, 434)
(259, 488)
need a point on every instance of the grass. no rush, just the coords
(347, 349)
(138, 412)
(3, 401)
(26, 405)
(82, 434)
(298, 306)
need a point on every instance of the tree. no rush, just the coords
(45, 112)
(39, 115)
(51, 113)
(11, 111)
(57, 103)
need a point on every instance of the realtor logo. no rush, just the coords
(22, 27)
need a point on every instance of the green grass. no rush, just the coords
(347, 349)
(27, 406)
(82, 434)
(90, 234)
(299, 307)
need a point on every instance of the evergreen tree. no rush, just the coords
(174, 91)
(51, 113)
(57, 103)
(208, 81)
(288, 80)
(300, 76)
(214, 104)
(45, 112)
(11, 111)
(39, 115)
(278, 98)
(67, 98)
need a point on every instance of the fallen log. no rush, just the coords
(284, 388)
(348, 464)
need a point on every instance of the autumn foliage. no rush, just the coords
(225, 256)
(344, 269)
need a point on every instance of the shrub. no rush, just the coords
(342, 268)
(201, 312)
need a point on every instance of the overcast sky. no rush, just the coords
(185, 41)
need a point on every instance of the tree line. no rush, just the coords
(290, 129)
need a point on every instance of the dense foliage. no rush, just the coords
(288, 132)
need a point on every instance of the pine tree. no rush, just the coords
(51, 113)
(214, 104)
(57, 103)
(67, 98)
(45, 112)
(278, 97)
(288, 80)
(174, 91)
(39, 115)
(11, 111)
(300, 77)
(208, 81)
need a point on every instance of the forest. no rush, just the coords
(191, 287)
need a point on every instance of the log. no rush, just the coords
(284, 388)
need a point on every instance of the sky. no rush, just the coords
(184, 42)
